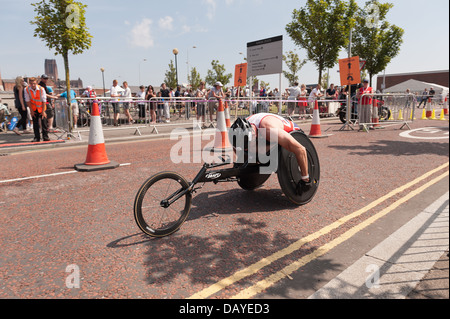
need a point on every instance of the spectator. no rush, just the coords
(19, 101)
(315, 94)
(365, 104)
(262, 92)
(165, 94)
(190, 103)
(50, 108)
(160, 107)
(36, 99)
(149, 96)
(432, 94)
(73, 105)
(126, 93)
(331, 93)
(303, 104)
(294, 94)
(216, 92)
(91, 95)
(424, 98)
(141, 97)
(201, 106)
(178, 95)
(115, 93)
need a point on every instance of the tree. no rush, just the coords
(194, 79)
(294, 65)
(61, 24)
(374, 39)
(171, 76)
(322, 28)
(218, 74)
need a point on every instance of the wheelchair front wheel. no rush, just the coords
(156, 210)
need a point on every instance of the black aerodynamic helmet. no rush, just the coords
(240, 134)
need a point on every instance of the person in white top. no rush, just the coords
(126, 105)
(141, 105)
(315, 93)
(294, 93)
(115, 92)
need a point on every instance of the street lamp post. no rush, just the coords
(175, 52)
(188, 69)
(104, 89)
(103, 76)
(145, 60)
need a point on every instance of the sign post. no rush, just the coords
(265, 57)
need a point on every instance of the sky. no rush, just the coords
(133, 40)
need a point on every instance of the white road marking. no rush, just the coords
(46, 175)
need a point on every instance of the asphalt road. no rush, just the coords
(234, 244)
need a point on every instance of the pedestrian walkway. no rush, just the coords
(411, 263)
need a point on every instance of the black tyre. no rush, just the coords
(152, 212)
(385, 114)
(289, 173)
(251, 182)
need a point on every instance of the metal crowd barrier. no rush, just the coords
(201, 113)
(388, 109)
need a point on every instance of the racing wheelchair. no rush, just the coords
(164, 201)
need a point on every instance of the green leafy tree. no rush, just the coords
(218, 74)
(171, 76)
(375, 39)
(294, 65)
(194, 79)
(61, 24)
(322, 28)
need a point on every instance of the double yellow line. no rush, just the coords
(288, 270)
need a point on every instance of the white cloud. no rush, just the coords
(141, 35)
(166, 23)
(211, 5)
(195, 28)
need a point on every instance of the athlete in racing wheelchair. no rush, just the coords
(164, 201)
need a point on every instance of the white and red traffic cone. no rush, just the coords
(96, 159)
(316, 131)
(221, 142)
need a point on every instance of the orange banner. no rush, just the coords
(240, 75)
(350, 71)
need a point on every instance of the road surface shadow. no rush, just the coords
(396, 148)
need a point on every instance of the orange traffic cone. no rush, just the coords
(316, 131)
(96, 158)
(221, 142)
(227, 115)
(429, 112)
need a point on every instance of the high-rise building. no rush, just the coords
(51, 69)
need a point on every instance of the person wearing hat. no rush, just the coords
(365, 104)
(50, 107)
(216, 92)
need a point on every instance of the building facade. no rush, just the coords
(435, 77)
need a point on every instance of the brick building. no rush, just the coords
(436, 77)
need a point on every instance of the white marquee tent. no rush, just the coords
(417, 87)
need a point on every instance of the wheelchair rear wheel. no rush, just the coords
(289, 174)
